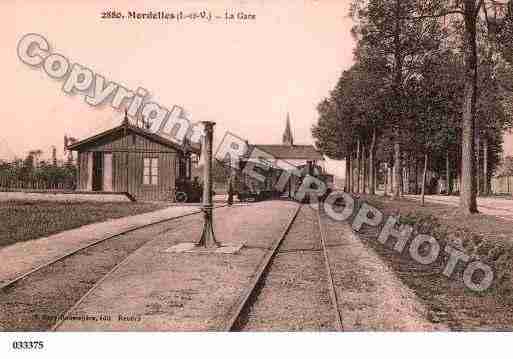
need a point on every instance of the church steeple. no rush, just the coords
(126, 121)
(287, 138)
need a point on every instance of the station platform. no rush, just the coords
(158, 290)
(21, 257)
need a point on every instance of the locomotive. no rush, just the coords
(251, 190)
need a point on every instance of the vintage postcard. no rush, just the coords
(334, 166)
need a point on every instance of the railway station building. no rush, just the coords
(132, 160)
(306, 158)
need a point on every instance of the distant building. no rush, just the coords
(132, 160)
(305, 158)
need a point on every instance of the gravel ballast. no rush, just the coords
(294, 294)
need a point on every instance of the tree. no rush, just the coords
(348, 119)
(389, 32)
(415, 77)
(471, 12)
(333, 132)
(507, 166)
(384, 25)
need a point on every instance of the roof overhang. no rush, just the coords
(194, 148)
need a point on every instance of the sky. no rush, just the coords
(243, 75)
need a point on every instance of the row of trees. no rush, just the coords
(25, 173)
(506, 169)
(430, 87)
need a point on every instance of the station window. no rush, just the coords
(151, 171)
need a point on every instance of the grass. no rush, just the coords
(25, 220)
(482, 237)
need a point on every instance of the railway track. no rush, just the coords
(237, 319)
(33, 301)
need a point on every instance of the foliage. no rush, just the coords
(410, 85)
(26, 173)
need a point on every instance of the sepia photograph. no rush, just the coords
(302, 177)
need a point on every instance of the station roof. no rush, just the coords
(134, 129)
(294, 152)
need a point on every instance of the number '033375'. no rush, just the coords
(30, 345)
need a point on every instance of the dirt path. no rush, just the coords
(370, 296)
(499, 207)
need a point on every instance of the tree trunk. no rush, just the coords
(374, 177)
(468, 203)
(354, 181)
(397, 85)
(405, 179)
(386, 181)
(364, 170)
(424, 174)
(358, 160)
(408, 174)
(486, 181)
(397, 171)
(402, 178)
(391, 173)
(416, 176)
(372, 168)
(478, 164)
(448, 173)
(348, 173)
(349, 180)
(377, 167)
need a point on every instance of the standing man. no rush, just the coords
(230, 187)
